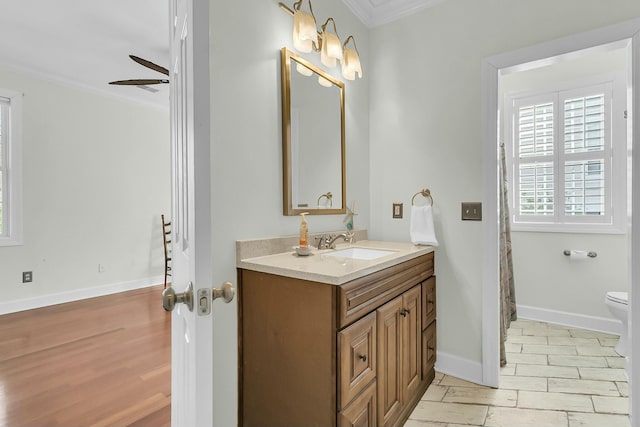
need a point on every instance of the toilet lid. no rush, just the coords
(620, 297)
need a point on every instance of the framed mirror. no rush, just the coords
(313, 139)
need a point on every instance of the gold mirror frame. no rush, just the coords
(286, 57)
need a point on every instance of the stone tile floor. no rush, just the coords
(556, 376)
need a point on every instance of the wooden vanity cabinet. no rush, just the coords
(316, 354)
(399, 350)
(362, 412)
(429, 347)
(356, 358)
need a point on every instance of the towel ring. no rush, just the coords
(426, 193)
(328, 196)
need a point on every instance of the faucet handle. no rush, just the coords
(351, 237)
(322, 241)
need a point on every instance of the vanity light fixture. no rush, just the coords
(306, 38)
(308, 72)
(304, 70)
(331, 50)
(351, 62)
(305, 34)
(324, 82)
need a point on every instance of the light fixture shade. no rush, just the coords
(331, 49)
(303, 70)
(304, 31)
(324, 82)
(351, 64)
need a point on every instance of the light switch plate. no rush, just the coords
(397, 210)
(471, 211)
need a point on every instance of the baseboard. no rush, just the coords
(76, 295)
(459, 367)
(583, 321)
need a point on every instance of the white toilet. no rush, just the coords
(618, 306)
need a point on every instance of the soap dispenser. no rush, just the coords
(304, 232)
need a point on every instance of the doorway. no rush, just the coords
(624, 34)
(568, 196)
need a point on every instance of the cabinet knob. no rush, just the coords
(404, 312)
(363, 357)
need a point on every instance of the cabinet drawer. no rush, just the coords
(429, 349)
(428, 301)
(362, 411)
(361, 296)
(357, 358)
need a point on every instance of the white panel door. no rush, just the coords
(191, 338)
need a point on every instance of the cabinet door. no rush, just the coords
(357, 358)
(428, 301)
(362, 411)
(389, 361)
(429, 349)
(411, 339)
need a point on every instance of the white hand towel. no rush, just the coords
(422, 229)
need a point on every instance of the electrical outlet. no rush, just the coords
(471, 211)
(100, 268)
(27, 276)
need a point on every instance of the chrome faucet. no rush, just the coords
(328, 241)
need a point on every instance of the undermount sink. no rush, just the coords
(359, 253)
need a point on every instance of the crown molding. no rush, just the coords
(374, 13)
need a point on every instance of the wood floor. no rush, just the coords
(99, 362)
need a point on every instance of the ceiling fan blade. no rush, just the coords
(150, 64)
(139, 82)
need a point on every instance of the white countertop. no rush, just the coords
(318, 267)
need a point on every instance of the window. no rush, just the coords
(561, 161)
(10, 168)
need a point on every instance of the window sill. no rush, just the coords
(8, 241)
(568, 228)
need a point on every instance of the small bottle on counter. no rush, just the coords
(304, 232)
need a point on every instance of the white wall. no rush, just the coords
(96, 179)
(247, 148)
(545, 278)
(426, 128)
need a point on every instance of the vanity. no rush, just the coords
(344, 337)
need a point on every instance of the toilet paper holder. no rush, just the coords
(590, 254)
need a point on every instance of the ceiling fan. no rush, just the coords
(144, 82)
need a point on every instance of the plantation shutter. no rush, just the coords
(535, 150)
(584, 149)
(561, 157)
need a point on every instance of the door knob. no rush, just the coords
(170, 298)
(227, 292)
